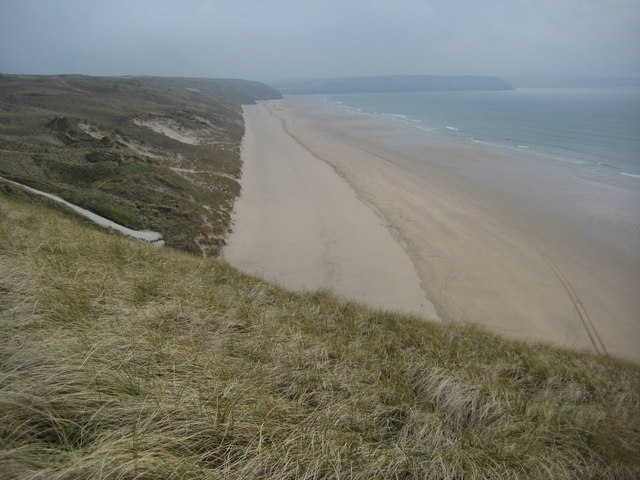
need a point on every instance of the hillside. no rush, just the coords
(394, 83)
(149, 153)
(121, 360)
(565, 80)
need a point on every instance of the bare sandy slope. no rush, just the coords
(299, 224)
(483, 255)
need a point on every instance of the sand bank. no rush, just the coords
(487, 249)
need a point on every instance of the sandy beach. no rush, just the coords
(340, 206)
(300, 225)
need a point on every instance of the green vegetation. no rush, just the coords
(118, 215)
(394, 83)
(121, 360)
(152, 153)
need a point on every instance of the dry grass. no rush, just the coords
(123, 361)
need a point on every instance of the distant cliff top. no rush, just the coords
(228, 90)
(394, 83)
(568, 80)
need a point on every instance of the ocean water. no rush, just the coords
(596, 127)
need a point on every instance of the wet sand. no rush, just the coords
(495, 239)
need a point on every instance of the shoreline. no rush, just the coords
(460, 130)
(483, 253)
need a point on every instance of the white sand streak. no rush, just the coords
(154, 238)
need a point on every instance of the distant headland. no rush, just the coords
(393, 83)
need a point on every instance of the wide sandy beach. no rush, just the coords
(300, 225)
(337, 202)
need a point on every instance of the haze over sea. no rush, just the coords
(596, 127)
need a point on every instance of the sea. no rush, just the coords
(595, 127)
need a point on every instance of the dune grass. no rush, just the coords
(121, 360)
(87, 140)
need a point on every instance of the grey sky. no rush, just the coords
(319, 38)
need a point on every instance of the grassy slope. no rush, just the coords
(77, 137)
(120, 360)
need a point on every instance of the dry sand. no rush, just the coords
(482, 255)
(300, 225)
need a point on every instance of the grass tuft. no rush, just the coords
(121, 360)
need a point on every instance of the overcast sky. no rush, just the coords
(273, 39)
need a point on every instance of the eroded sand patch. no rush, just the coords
(170, 128)
(92, 130)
